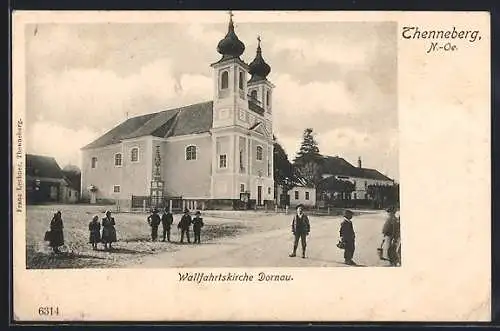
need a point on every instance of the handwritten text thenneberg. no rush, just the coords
(19, 167)
(446, 38)
(199, 277)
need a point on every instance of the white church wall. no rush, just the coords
(188, 178)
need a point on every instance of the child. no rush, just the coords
(347, 237)
(95, 232)
(197, 225)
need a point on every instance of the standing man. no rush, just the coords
(197, 225)
(167, 220)
(154, 222)
(388, 233)
(184, 225)
(300, 230)
(347, 237)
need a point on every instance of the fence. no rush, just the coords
(145, 203)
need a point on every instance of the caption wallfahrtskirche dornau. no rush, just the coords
(442, 40)
(227, 277)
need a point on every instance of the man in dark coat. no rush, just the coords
(184, 225)
(108, 231)
(154, 222)
(167, 220)
(56, 232)
(347, 237)
(197, 225)
(300, 230)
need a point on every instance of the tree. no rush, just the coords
(308, 160)
(284, 172)
(331, 186)
(384, 195)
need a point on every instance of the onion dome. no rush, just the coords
(259, 69)
(230, 46)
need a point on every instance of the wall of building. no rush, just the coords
(133, 178)
(104, 175)
(260, 167)
(311, 201)
(188, 178)
(68, 194)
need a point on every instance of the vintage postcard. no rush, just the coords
(251, 166)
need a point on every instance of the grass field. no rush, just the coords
(133, 234)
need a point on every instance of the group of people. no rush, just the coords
(108, 235)
(55, 235)
(105, 232)
(184, 225)
(389, 250)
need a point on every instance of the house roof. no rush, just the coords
(196, 118)
(335, 165)
(42, 167)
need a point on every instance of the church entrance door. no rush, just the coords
(259, 195)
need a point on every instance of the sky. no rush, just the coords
(338, 78)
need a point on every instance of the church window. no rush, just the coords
(242, 188)
(93, 162)
(242, 162)
(118, 159)
(191, 152)
(268, 190)
(268, 98)
(296, 195)
(254, 94)
(307, 195)
(224, 80)
(259, 153)
(223, 161)
(241, 80)
(134, 154)
(116, 189)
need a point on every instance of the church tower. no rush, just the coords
(241, 142)
(260, 89)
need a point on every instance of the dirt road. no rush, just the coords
(270, 248)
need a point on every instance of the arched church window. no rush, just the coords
(259, 153)
(241, 80)
(134, 154)
(254, 94)
(224, 80)
(191, 152)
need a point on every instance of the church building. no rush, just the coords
(206, 155)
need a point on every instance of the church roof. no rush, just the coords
(190, 119)
(338, 166)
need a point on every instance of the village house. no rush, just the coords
(209, 154)
(47, 183)
(338, 168)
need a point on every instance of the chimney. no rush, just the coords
(359, 162)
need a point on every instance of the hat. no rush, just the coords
(155, 210)
(108, 212)
(299, 206)
(391, 209)
(197, 212)
(95, 217)
(348, 212)
(186, 210)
